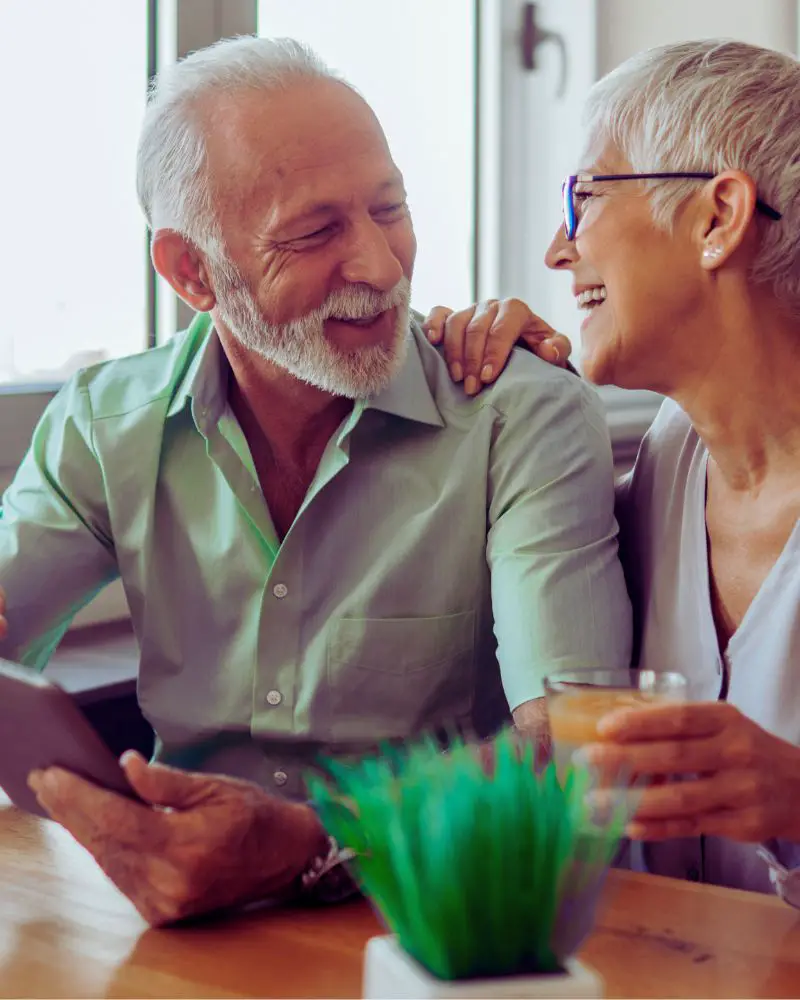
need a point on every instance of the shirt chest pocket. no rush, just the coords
(389, 677)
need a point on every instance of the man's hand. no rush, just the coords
(478, 340)
(204, 843)
(3, 622)
(531, 725)
(738, 780)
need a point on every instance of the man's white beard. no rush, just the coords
(301, 347)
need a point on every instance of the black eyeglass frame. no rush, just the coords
(568, 192)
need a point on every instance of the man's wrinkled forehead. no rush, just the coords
(260, 143)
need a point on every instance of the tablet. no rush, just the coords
(41, 726)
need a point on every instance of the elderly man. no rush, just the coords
(273, 487)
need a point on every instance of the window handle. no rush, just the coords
(534, 36)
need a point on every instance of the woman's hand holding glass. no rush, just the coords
(731, 777)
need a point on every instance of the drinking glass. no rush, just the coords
(578, 699)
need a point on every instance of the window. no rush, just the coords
(415, 64)
(74, 75)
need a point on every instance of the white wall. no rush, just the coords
(627, 26)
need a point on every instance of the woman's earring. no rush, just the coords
(712, 253)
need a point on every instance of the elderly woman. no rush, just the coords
(682, 236)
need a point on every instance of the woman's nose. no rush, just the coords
(561, 253)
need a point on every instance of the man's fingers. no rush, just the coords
(73, 801)
(455, 328)
(166, 786)
(90, 813)
(475, 338)
(434, 323)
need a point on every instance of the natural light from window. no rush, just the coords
(74, 76)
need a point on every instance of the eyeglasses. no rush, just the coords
(568, 193)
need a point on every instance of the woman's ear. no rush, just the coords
(727, 207)
(181, 266)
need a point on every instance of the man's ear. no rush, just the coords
(180, 264)
(726, 213)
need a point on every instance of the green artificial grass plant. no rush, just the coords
(479, 872)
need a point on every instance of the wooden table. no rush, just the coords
(66, 932)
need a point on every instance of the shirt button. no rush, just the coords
(280, 590)
(280, 777)
(274, 697)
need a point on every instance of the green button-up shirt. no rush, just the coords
(442, 537)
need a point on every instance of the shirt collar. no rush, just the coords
(409, 395)
(205, 381)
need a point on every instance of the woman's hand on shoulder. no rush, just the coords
(478, 341)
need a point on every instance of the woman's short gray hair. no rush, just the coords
(171, 175)
(712, 106)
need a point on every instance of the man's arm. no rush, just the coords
(558, 591)
(530, 720)
(56, 550)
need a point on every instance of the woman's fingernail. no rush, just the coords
(456, 372)
(557, 353)
(471, 385)
(486, 373)
(612, 721)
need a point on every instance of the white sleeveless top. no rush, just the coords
(661, 510)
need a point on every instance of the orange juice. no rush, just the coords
(575, 712)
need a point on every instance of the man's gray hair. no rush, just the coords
(712, 106)
(171, 175)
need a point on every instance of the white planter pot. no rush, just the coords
(391, 974)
